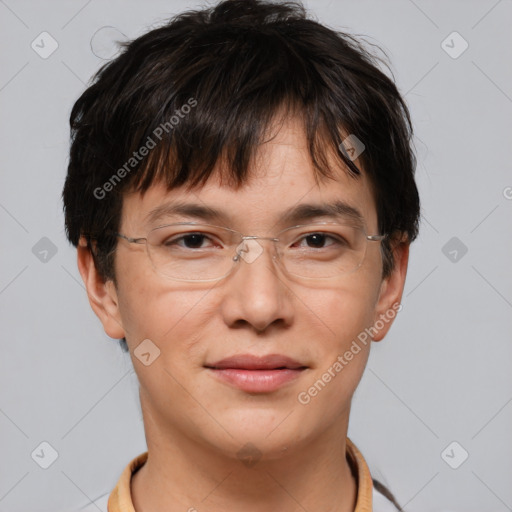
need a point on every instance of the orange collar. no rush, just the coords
(120, 499)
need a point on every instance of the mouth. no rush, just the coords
(254, 374)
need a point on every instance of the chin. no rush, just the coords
(270, 430)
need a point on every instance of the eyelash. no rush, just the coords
(174, 241)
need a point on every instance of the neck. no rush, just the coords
(182, 474)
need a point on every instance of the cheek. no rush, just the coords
(342, 309)
(170, 320)
(152, 308)
(342, 346)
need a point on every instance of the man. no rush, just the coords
(241, 194)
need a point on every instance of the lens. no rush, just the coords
(191, 252)
(322, 250)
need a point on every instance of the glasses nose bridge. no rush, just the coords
(255, 237)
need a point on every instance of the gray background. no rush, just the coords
(442, 374)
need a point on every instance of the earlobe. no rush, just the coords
(391, 291)
(102, 294)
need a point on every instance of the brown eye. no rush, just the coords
(190, 241)
(319, 241)
(316, 240)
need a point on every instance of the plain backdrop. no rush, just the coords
(438, 389)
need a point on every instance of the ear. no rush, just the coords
(391, 291)
(102, 294)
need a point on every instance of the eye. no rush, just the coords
(187, 241)
(318, 240)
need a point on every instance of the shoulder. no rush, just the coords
(380, 504)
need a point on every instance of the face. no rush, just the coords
(257, 310)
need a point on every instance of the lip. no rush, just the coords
(254, 374)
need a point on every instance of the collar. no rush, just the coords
(120, 499)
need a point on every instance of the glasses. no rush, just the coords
(187, 251)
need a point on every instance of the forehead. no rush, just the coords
(281, 190)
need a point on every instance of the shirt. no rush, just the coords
(368, 498)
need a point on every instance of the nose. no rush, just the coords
(256, 293)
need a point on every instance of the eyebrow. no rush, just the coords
(338, 210)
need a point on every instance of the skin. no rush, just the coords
(195, 424)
